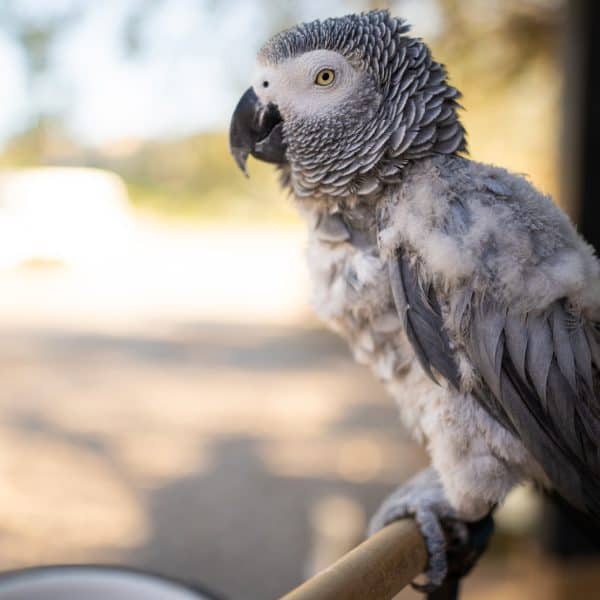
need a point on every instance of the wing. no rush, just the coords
(539, 374)
(421, 315)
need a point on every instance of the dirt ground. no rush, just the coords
(233, 456)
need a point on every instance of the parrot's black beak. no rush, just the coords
(256, 129)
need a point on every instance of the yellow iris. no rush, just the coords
(325, 77)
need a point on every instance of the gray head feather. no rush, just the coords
(405, 111)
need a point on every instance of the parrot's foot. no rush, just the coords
(454, 546)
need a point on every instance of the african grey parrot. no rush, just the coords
(468, 292)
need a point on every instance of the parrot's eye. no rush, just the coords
(325, 77)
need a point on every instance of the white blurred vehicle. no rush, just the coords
(121, 267)
(62, 215)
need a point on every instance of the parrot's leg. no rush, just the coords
(453, 545)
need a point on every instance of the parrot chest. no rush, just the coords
(351, 291)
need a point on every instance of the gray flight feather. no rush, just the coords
(423, 322)
(559, 423)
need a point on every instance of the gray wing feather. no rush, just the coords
(540, 351)
(422, 319)
(488, 338)
(515, 334)
(583, 358)
(558, 422)
(561, 343)
(593, 337)
(538, 437)
(539, 374)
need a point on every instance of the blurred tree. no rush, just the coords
(36, 36)
(523, 30)
(498, 52)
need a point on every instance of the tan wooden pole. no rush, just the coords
(379, 568)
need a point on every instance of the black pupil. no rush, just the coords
(265, 84)
(325, 76)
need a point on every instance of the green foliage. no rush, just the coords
(188, 178)
(197, 178)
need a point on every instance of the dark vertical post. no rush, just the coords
(589, 193)
(580, 164)
(566, 536)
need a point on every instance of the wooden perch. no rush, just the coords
(379, 568)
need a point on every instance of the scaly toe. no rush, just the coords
(435, 540)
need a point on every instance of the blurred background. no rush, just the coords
(167, 399)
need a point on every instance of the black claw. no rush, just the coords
(461, 558)
(447, 591)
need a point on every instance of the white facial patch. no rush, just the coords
(291, 85)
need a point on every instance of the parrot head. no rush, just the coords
(342, 105)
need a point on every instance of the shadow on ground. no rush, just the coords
(211, 453)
